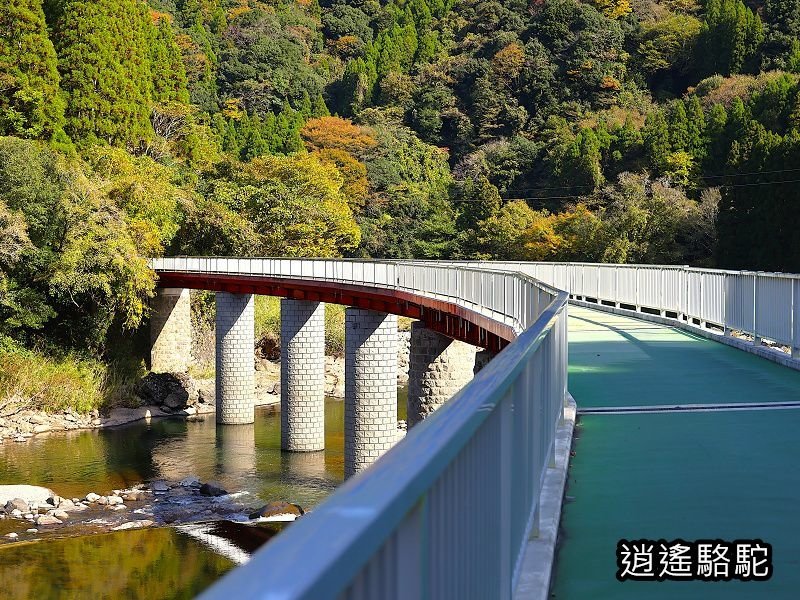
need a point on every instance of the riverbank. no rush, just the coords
(180, 396)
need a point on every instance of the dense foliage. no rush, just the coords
(605, 130)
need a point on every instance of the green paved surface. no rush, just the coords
(728, 475)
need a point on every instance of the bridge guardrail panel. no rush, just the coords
(740, 302)
(774, 307)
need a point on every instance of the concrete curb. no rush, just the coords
(537, 564)
(771, 354)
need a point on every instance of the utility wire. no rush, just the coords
(572, 187)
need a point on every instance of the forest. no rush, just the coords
(661, 131)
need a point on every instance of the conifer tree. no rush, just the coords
(678, 127)
(30, 101)
(319, 108)
(166, 64)
(656, 139)
(105, 70)
(695, 127)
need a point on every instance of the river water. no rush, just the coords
(160, 562)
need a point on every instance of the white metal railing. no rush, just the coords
(448, 511)
(506, 297)
(762, 305)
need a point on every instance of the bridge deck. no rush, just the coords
(727, 474)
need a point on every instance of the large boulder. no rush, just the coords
(174, 391)
(277, 509)
(27, 493)
(212, 489)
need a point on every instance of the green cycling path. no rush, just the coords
(691, 475)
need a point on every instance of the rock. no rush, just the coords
(113, 500)
(29, 516)
(61, 514)
(70, 417)
(119, 507)
(16, 513)
(37, 420)
(53, 500)
(133, 525)
(132, 496)
(190, 410)
(28, 493)
(174, 391)
(205, 393)
(97, 421)
(17, 503)
(274, 509)
(32, 530)
(102, 500)
(190, 481)
(66, 504)
(12, 536)
(41, 428)
(48, 520)
(92, 497)
(159, 486)
(212, 489)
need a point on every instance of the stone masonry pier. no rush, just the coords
(235, 362)
(439, 367)
(170, 331)
(302, 375)
(370, 410)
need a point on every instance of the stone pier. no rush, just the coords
(439, 367)
(302, 375)
(235, 361)
(370, 387)
(170, 331)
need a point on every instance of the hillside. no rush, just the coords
(660, 131)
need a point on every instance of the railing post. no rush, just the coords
(756, 337)
(794, 321)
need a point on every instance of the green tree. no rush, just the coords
(731, 37)
(31, 105)
(105, 70)
(166, 64)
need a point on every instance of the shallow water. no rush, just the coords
(160, 562)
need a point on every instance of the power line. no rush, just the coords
(589, 186)
(575, 197)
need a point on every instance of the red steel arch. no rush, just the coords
(445, 317)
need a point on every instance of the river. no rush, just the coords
(162, 562)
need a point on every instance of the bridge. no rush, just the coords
(468, 504)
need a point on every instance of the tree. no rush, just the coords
(105, 71)
(82, 271)
(335, 133)
(166, 63)
(731, 37)
(31, 105)
(294, 204)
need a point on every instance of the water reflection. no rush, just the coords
(153, 563)
(159, 563)
(240, 457)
